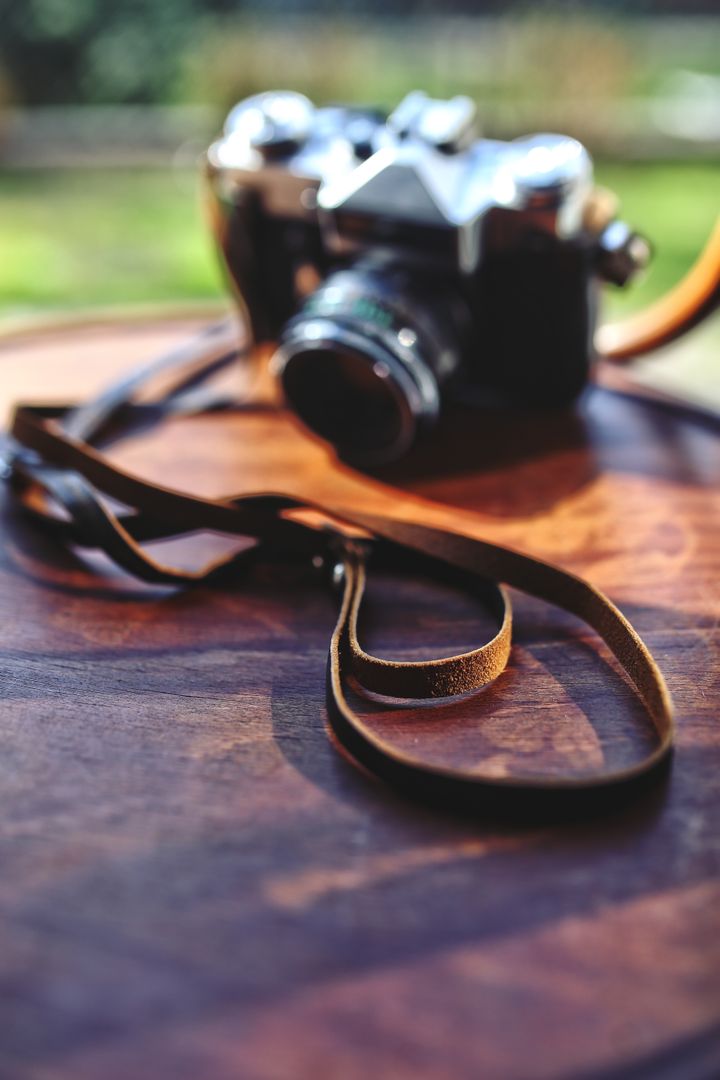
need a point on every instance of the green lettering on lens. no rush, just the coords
(365, 308)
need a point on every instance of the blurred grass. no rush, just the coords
(77, 239)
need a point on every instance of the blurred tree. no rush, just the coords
(96, 51)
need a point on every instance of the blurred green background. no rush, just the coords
(105, 108)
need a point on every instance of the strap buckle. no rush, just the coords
(337, 550)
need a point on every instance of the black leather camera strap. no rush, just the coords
(65, 483)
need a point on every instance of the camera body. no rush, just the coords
(398, 260)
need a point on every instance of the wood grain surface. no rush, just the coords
(196, 884)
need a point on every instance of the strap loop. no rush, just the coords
(445, 677)
(539, 579)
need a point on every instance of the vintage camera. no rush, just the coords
(401, 260)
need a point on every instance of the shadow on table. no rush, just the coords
(520, 462)
(467, 460)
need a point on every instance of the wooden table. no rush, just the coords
(196, 884)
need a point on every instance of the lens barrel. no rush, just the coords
(363, 362)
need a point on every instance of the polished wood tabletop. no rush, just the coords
(196, 883)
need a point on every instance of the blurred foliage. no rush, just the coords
(535, 56)
(95, 51)
(147, 51)
(96, 237)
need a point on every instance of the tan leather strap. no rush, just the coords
(696, 296)
(64, 482)
(441, 678)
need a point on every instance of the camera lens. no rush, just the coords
(363, 361)
(346, 397)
